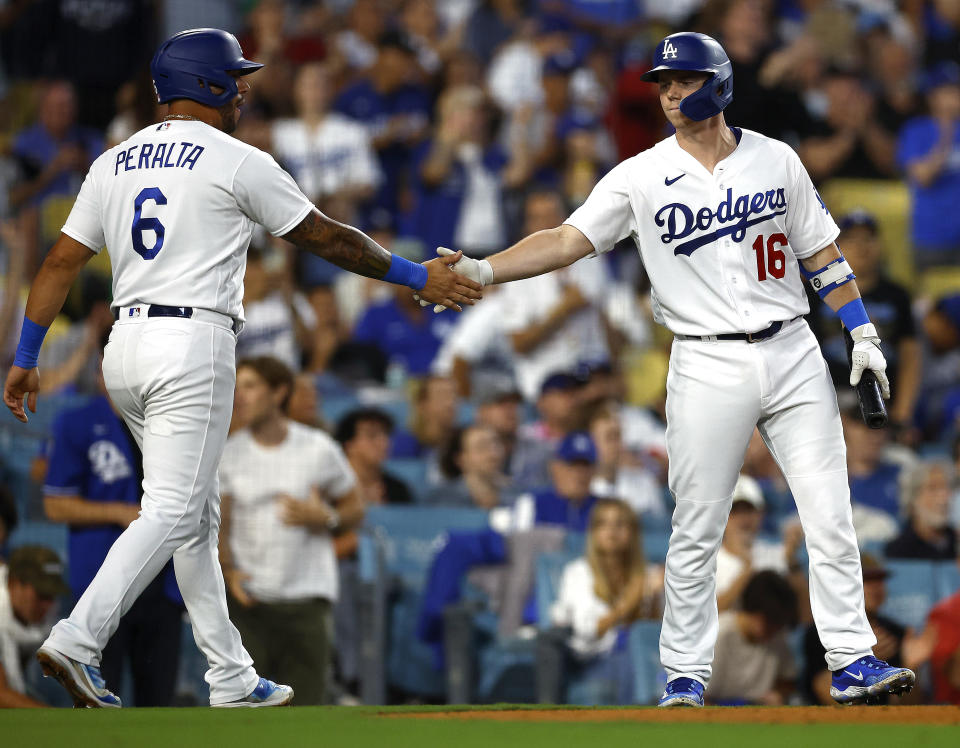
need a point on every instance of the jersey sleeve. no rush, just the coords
(68, 466)
(607, 215)
(83, 223)
(810, 227)
(268, 195)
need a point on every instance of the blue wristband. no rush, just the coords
(28, 350)
(853, 314)
(406, 273)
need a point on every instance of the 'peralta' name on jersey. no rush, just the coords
(157, 156)
(681, 221)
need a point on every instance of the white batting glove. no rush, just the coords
(478, 271)
(867, 355)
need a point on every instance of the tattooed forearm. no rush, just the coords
(340, 244)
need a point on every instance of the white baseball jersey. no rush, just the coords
(176, 205)
(720, 249)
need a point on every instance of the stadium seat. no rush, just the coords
(655, 543)
(549, 572)
(911, 591)
(335, 407)
(49, 534)
(947, 579)
(396, 547)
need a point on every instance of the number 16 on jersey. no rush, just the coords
(773, 261)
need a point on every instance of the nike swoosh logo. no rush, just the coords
(668, 182)
(858, 676)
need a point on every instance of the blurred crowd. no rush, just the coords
(469, 124)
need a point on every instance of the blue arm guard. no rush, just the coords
(831, 276)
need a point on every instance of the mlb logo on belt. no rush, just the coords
(133, 311)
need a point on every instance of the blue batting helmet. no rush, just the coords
(690, 51)
(189, 63)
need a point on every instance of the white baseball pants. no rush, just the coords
(717, 392)
(172, 380)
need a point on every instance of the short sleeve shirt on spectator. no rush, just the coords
(745, 672)
(34, 149)
(91, 458)
(16, 639)
(285, 562)
(935, 220)
(335, 156)
(363, 103)
(580, 338)
(413, 343)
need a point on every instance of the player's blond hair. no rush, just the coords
(633, 561)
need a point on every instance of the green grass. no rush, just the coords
(363, 727)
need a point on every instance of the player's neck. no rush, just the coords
(184, 109)
(709, 141)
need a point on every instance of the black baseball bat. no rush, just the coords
(872, 408)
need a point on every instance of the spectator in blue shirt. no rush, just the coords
(567, 502)
(93, 485)
(432, 423)
(394, 111)
(408, 334)
(54, 153)
(459, 177)
(929, 152)
(874, 486)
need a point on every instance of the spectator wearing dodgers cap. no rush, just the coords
(567, 501)
(742, 553)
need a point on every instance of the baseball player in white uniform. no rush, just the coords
(721, 217)
(176, 205)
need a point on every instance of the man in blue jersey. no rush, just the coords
(93, 485)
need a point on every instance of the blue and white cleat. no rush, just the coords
(83, 682)
(682, 692)
(868, 679)
(267, 693)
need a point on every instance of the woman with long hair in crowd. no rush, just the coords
(601, 594)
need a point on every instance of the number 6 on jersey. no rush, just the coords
(141, 224)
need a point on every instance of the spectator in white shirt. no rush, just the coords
(555, 321)
(29, 587)
(602, 593)
(618, 472)
(742, 553)
(328, 154)
(285, 490)
(609, 587)
(279, 320)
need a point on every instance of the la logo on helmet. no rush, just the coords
(669, 51)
